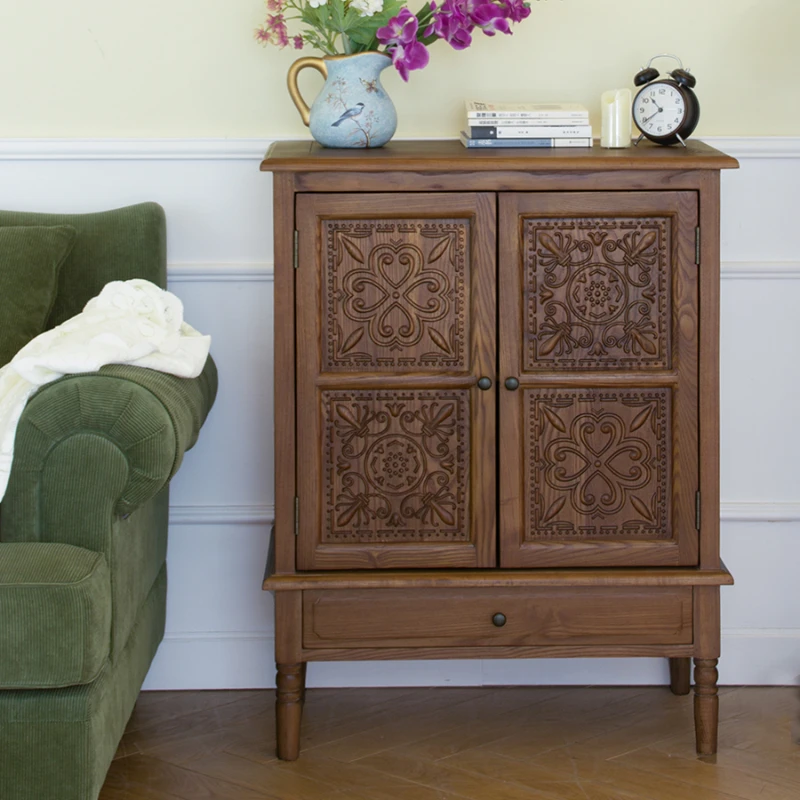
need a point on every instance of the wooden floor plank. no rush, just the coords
(440, 776)
(362, 781)
(534, 743)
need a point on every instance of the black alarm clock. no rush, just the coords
(666, 111)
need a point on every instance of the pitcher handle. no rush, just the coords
(291, 79)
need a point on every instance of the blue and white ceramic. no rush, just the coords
(353, 109)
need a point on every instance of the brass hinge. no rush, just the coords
(296, 516)
(697, 245)
(296, 257)
(697, 510)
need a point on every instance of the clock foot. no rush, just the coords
(678, 137)
(636, 143)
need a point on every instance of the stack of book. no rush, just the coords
(526, 125)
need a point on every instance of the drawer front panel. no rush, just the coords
(468, 617)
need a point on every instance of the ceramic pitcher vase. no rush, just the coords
(353, 109)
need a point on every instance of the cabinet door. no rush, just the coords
(598, 324)
(396, 323)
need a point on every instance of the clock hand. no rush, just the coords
(655, 114)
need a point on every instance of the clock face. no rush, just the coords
(659, 110)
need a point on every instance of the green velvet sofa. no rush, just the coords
(83, 528)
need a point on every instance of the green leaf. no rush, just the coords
(337, 14)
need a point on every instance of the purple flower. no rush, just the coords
(297, 42)
(518, 10)
(451, 23)
(400, 37)
(401, 29)
(489, 17)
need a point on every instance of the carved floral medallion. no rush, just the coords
(396, 465)
(598, 463)
(396, 295)
(597, 293)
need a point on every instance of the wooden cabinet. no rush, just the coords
(496, 399)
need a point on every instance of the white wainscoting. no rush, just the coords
(218, 204)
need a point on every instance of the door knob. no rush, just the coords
(512, 384)
(485, 383)
(498, 620)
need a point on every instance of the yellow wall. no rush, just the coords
(190, 68)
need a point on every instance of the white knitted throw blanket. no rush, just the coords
(129, 322)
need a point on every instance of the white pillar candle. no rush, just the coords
(616, 115)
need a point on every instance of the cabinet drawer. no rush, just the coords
(468, 617)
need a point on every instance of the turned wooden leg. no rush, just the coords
(680, 675)
(706, 705)
(303, 670)
(289, 709)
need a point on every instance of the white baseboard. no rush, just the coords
(210, 660)
(213, 660)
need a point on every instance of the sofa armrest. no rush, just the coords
(96, 446)
(55, 615)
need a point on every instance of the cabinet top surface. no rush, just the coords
(417, 155)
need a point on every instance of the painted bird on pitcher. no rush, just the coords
(351, 112)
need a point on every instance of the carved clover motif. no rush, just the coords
(598, 463)
(396, 295)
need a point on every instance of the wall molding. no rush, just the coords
(252, 149)
(221, 273)
(221, 515)
(760, 270)
(756, 146)
(264, 271)
(265, 514)
(760, 512)
(133, 149)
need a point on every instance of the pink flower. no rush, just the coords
(297, 42)
(274, 5)
(277, 26)
(262, 35)
(400, 37)
(273, 31)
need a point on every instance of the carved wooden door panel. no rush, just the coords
(396, 323)
(598, 324)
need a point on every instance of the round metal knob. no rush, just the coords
(498, 620)
(512, 384)
(485, 383)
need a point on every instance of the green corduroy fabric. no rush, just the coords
(91, 453)
(57, 744)
(112, 245)
(55, 615)
(30, 260)
(93, 457)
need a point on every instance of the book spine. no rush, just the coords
(538, 142)
(510, 123)
(529, 131)
(572, 115)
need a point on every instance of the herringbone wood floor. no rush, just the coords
(450, 744)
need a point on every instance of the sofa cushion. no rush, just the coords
(114, 245)
(30, 260)
(55, 615)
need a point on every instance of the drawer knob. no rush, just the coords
(498, 620)
(485, 383)
(512, 384)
